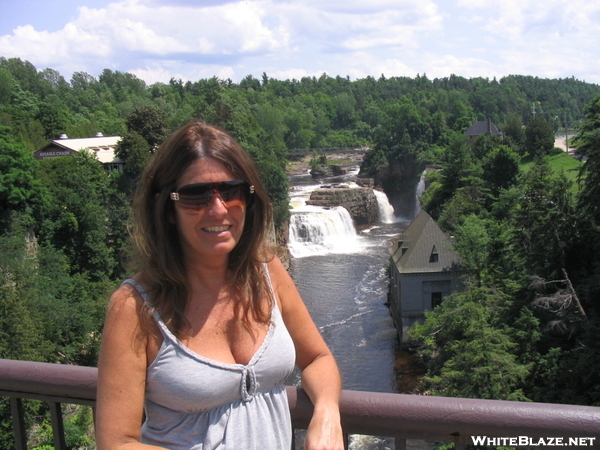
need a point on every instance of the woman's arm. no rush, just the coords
(121, 374)
(320, 375)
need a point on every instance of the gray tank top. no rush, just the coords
(193, 402)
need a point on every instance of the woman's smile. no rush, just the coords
(217, 229)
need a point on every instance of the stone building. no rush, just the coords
(424, 269)
(101, 146)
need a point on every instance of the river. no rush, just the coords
(341, 275)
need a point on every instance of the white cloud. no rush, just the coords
(354, 25)
(187, 39)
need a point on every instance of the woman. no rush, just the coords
(198, 343)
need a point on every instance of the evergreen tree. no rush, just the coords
(588, 144)
(539, 137)
(501, 169)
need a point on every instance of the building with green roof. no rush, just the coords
(424, 270)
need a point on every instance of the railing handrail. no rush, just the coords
(380, 414)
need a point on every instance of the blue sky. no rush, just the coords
(193, 39)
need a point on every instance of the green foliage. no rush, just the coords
(466, 350)
(19, 190)
(513, 132)
(500, 169)
(150, 123)
(545, 219)
(539, 137)
(73, 218)
(588, 144)
(135, 151)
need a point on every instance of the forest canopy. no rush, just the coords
(528, 238)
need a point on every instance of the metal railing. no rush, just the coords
(402, 417)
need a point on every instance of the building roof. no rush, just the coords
(102, 146)
(424, 248)
(483, 127)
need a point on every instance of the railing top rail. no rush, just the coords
(36, 379)
(378, 414)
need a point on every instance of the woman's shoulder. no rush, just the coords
(128, 309)
(277, 270)
(127, 298)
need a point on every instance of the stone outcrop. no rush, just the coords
(361, 203)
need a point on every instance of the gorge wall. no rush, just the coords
(361, 203)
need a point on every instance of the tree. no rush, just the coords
(135, 151)
(82, 80)
(467, 353)
(588, 144)
(148, 128)
(149, 122)
(513, 132)
(545, 219)
(19, 189)
(74, 218)
(501, 169)
(52, 119)
(7, 83)
(539, 137)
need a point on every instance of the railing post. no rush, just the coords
(58, 427)
(18, 420)
(400, 444)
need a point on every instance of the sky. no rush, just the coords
(157, 40)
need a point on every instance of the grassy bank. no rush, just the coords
(561, 162)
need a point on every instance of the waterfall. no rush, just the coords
(319, 231)
(418, 192)
(386, 211)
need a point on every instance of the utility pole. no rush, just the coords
(566, 137)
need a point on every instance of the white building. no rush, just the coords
(101, 146)
(424, 270)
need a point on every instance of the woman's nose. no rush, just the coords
(216, 205)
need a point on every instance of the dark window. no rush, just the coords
(436, 299)
(434, 255)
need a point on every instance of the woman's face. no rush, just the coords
(208, 234)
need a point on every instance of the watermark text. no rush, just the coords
(527, 441)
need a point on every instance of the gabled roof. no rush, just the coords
(483, 127)
(424, 247)
(102, 146)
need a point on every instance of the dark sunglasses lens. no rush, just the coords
(199, 195)
(231, 192)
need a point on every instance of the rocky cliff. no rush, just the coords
(361, 203)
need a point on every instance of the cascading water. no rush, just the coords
(386, 210)
(320, 231)
(419, 192)
(340, 274)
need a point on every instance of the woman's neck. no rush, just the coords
(207, 275)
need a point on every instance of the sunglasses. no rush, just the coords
(199, 195)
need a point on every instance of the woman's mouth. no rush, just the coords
(217, 229)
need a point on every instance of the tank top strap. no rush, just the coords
(140, 289)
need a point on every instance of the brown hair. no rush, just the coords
(157, 239)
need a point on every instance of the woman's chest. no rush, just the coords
(182, 380)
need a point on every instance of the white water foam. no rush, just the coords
(386, 210)
(319, 231)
